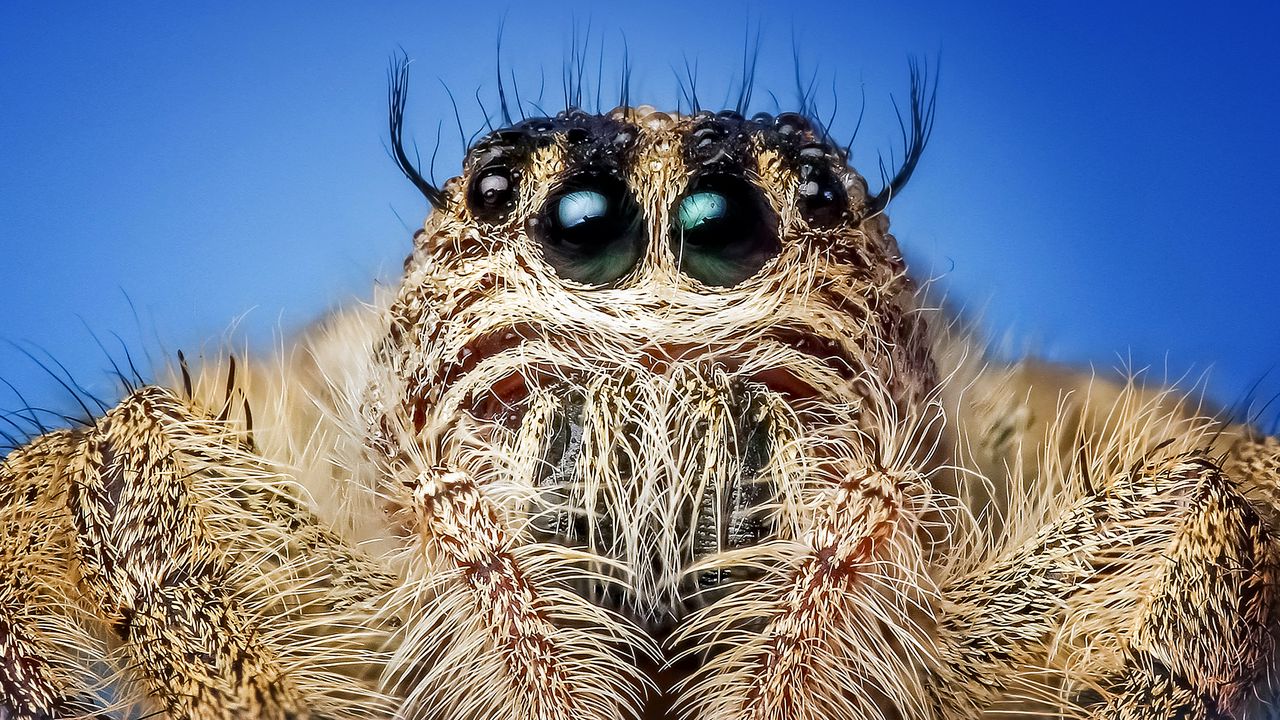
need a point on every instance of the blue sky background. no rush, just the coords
(1100, 188)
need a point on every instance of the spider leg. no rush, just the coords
(44, 638)
(837, 633)
(152, 568)
(1206, 629)
(533, 649)
(1151, 599)
(226, 596)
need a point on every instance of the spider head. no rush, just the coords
(652, 337)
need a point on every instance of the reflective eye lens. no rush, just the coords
(581, 206)
(493, 193)
(823, 200)
(590, 231)
(725, 231)
(701, 208)
(492, 187)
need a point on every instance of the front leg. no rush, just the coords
(837, 627)
(159, 526)
(1153, 599)
(485, 601)
(154, 571)
(46, 640)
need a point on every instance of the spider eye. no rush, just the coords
(492, 193)
(701, 208)
(590, 230)
(823, 199)
(725, 231)
(581, 207)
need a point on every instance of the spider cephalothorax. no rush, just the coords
(658, 341)
(653, 318)
(655, 425)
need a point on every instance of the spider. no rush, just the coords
(657, 424)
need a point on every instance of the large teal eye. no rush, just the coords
(700, 208)
(581, 206)
(725, 230)
(590, 230)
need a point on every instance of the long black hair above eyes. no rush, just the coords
(916, 126)
(923, 104)
(397, 95)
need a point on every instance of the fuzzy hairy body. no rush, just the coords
(503, 491)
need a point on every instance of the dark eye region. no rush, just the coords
(724, 231)
(823, 200)
(590, 230)
(492, 193)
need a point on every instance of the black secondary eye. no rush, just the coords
(823, 200)
(724, 231)
(590, 230)
(492, 193)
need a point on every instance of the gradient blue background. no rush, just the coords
(1100, 188)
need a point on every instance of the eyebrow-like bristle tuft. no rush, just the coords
(397, 95)
(923, 103)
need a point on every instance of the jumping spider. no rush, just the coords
(656, 424)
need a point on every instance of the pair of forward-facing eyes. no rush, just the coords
(591, 229)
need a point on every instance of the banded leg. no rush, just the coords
(231, 599)
(153, 570)
(840, 637)
(46, 646)
(533, 649)
(1152, 600)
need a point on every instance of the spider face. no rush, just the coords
(653, 339)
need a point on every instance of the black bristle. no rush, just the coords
(231, 375)
(435, 150)
(186, 376)
(502, 90)
(248, 424)
(31, 416)
(777, 106)
(599, 74)
(125, 381)
(128, 356)
(825, 125)
(574, 70)
(488, 119)
(691, 76)
(397, 95)
(624, 90)
(750, 59)
(102, 406)
(796, 74)
(231, 384)
(488, 123)
(581, 63)
(22, 432)
(688, 86)
(72, 391)
(515, 87)
(924, 98)
(457, 116)
(862, 112)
